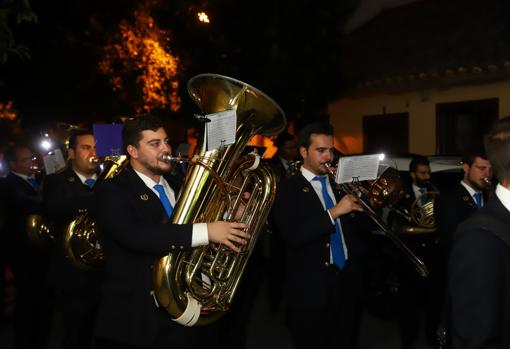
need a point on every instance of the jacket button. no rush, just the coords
(326, 264)
(327, 245)
(173, 247)
(182, 247)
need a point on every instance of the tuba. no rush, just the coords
(197, 287)
(80, 237)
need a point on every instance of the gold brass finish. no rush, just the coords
(213, 190)
(39, 232)
(384, 195)
(80, 237)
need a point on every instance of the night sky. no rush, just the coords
(288, 49)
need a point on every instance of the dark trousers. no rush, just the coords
(335, 325)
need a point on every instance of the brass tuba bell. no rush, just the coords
(197, 287)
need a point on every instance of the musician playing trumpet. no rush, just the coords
(323, 248)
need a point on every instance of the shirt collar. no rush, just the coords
(82, 177)
(309, 175)
(503, 195)
(25, 177)
(470, 190)
(148, 181)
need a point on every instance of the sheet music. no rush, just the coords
(357, 168)
(53, 162)
(221, 130)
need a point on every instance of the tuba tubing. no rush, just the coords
(350, 189)
(197, 287)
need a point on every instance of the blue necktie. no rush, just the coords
(90, 182)
(478, 199)
(33, 182)
(164, 199)
(423, 198)
(337, 248)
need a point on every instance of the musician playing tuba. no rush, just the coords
(66, 194)
(133, 213)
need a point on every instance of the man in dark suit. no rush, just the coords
(133, 213)
(322, 246)
(65, 195)
(418, 296)
(286, 154)
(460, 202)
(28, 261)
(479, 266)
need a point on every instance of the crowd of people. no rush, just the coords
(315, 254)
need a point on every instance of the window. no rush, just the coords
(386, 133)
(460, 126)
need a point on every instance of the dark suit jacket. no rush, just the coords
(450, 209)
(306, 228)
(65, 196)
(21, 200)
(134, 231)
(479, 284)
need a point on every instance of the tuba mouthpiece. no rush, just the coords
(94, 160)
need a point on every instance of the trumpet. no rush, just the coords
(357, 190)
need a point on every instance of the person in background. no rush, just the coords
(28, 261)
(76, 291)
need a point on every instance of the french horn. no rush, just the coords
(198, 287)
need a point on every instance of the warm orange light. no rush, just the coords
(141, 51)
(7, 111)
(202, 17)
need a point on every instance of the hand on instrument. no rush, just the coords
(228, 234)
(346, 205)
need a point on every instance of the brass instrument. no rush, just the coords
(380, 192)
(39, 231)
(419, 217)
(80, 237)
(197, 287)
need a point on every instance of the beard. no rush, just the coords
(422, 183)
(476, 185)
(155, 169)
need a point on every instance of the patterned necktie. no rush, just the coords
(164, 199)
(478, 199)
(423, 198)
(335, 239)
(90, 182)
(33, 182)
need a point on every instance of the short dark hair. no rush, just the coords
(133, 128)
(10, 152)
(320, 128)
(470, 157)
(416, 161)
(74, 134)
(283, 138)
(497, 146)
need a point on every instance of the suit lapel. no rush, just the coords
(466, 197)
(144, 198)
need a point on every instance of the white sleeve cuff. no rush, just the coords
(330, 217)
(200, 235)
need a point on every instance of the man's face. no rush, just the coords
(288, 150)
(149, 151)
(318, 153)
(474, 174)
(421, 176)
(22, 162)
(80, 156)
